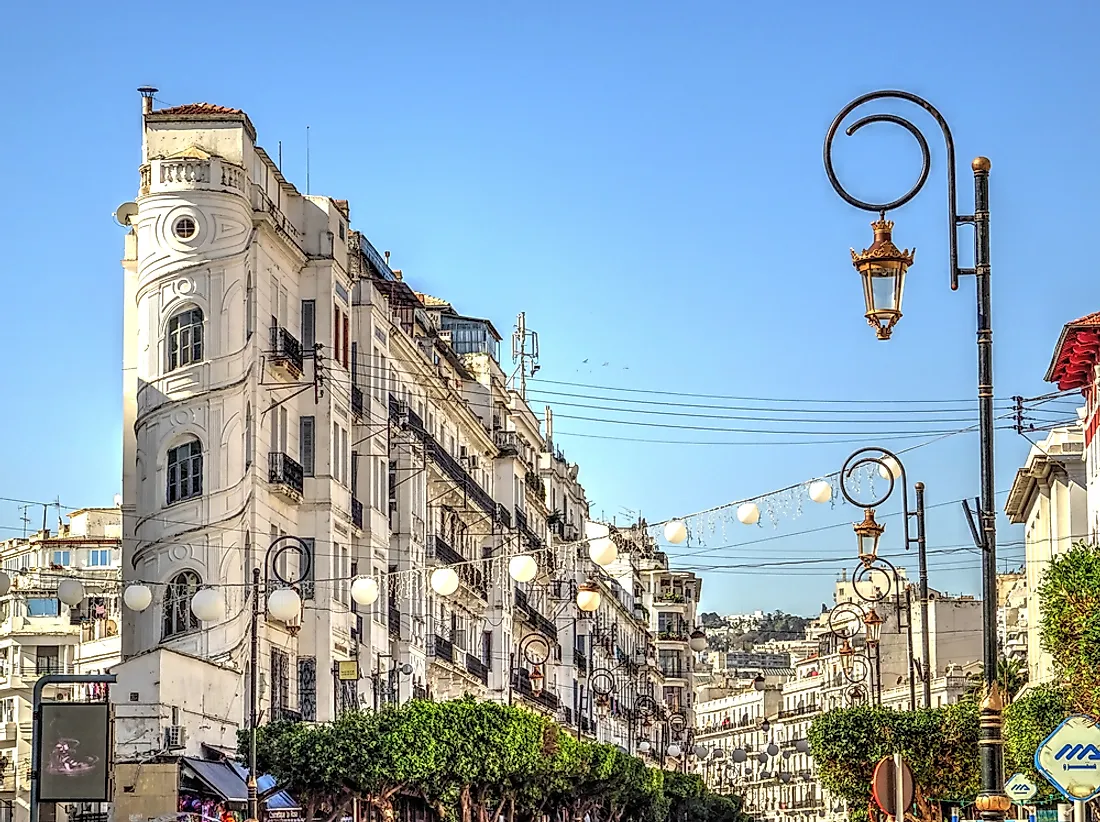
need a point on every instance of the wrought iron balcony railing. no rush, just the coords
(285, 472)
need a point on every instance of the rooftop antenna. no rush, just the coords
(307, 161)
(26, 520)
(525, 353)
(280, 166)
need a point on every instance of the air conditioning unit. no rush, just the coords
(175, 737)
(472, 461)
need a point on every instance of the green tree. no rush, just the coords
(305, 760)
(1027, 722)
(1011, 677)
(1070, 630)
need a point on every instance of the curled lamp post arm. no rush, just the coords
(953, 218)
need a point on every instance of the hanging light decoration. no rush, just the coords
(588, 596)
(748, 513)
(674, 750)
(773, 749)
(603, 551)
(643, 746)
(70, 591)
(888, 468)
(821, 491)
(536, 678)
(676, 531)
(444, 581)
(523, 568)
(698, 641)
(700, 752)
(739, 755)
(868, 534)
(284, 604)
(137, 597)
(802, 746)
(208, 605)
(364, 590)
(758, 682)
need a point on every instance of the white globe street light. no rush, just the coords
(444, 581)
(748, 513)
(137, 597)
(208, 605)
(70, 591)
(523, 568)
(364, 591)
(284, 604)
(674, 750)
(821, 491)
(643, 746)
(588, 596)
(603, 551)
(889, 469)
(676, 531)
(698, 641)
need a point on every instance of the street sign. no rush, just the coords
(884, 787)
(348, 671)
(1020, 789)
(1069, 758)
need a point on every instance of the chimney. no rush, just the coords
(147, 93)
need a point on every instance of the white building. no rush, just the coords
(1048, 498)
(41, 635)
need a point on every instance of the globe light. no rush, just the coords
(676, 531)
(643, 746)
(523, 568)
(821, 491)
(698, 641)
(70, 591)
(784, 777)
(588, 596)
(772, 749)
(739, 755)
(444, 581)
(889, 468)
(364, 590)
(758, 682)
(802, 746)
(673, 750)
(208, 605)
(137, 597)
(700, 752)
(748, 513)
(603, 551)
(284, 604)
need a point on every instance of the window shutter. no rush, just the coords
(309, 325)
(311, 574)
(355, 364)
(347, 336)
(306, 444)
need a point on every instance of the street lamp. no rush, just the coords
(868, 534)
(758, 682)
(698, 641)
(992, 801)
(873, 624)
(588, 596)
(882, 267)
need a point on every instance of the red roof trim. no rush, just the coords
(1076, 354)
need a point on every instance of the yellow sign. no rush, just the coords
(348, 671)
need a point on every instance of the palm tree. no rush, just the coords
(1011, 676)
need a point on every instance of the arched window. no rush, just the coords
(185, 338)
(185, 471)
(178, 616)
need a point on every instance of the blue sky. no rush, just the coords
(643, 179)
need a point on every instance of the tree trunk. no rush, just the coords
(464, 803)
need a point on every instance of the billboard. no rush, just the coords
(74, 752)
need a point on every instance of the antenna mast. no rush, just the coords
(525, 353)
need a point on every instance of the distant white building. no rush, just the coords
(41, 635)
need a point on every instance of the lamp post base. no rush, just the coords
(992, 802)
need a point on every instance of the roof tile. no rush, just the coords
(198, 108)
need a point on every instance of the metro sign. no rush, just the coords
(1020, 789)
(1070, 758)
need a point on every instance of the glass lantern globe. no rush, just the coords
(882, 267)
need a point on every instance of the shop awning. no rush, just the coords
(219, 777)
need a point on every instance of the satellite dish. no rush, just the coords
(124, 213)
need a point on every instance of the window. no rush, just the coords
(178, 616)
(185, 471)
(306, 448)
(337, 334)
(280, 684)
(43, 607)
(48, 660)
(307, 586)
(347, 337)
(307, 688)
(185, 338)
(248, 446)
(61, 558)
(99, 557)
(249, 307)
(185, 228)
(309, 325)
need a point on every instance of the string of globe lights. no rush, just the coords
(284, 602)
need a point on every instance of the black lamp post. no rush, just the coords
(277, 549)
(882, 268)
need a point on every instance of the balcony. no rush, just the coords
(802, 710)
(478, 668)
(441, 648)
(504, 516)
(531, 614)
(673, 635)
(440, 549)
(286, 475)
(521, 520)
(535, 485)
(357, 402)
(507, 442)
(674, 671)
(357, 513)
(641, 614)
(581, 660)
(286, 353)
(394, 622)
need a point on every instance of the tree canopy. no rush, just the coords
(474, 762)
(1070, 629)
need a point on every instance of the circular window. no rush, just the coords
(185, 228)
